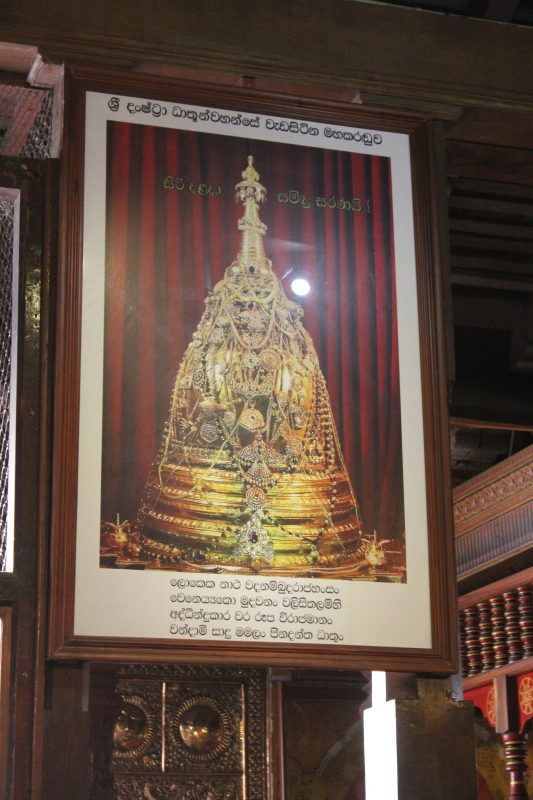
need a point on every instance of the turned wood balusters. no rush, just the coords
(497, 631)
(525, 618)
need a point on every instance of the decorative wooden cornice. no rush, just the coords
(495, 492)
(493, 518)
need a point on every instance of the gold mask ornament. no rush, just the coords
(250, 476)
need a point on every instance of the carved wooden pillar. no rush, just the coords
(507, 725)
(515, 764)
(406, 737)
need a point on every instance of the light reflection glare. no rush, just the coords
(300, 286)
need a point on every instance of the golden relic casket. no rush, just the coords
(250, 476)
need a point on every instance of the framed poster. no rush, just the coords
(249, 449)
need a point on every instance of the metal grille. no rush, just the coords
(6, 284)
(39, 140)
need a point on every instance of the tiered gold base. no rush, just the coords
(195, 519)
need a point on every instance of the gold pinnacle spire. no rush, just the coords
(250, 192)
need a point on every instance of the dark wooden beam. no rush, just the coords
(498, 10)
(488, 282)
(502, 10)
(490, 205)
(491, 229)
(437, 57)
(434, 5)
(493, 126)
(486, 187)
(466, 240)
(486, 162)
(482, 401)
(480, 264)
(462, 422)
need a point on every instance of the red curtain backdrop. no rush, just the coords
(167, 247)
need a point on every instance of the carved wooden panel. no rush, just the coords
(189, 733)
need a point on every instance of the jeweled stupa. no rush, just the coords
(250, 476)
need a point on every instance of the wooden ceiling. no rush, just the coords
(489, 167)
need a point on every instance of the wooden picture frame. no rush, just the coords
(398, 617)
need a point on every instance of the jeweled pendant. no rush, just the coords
(254, 542)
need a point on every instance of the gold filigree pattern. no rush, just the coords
(138, 788)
